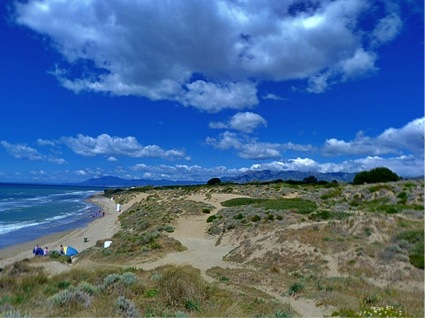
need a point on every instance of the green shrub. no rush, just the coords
(403, 197)
(255, 218)
(110, 279)
(182, 285)
(239, 216)
(211, 218)
(169, 228)
(270, 217)
(375, 175)
(299, 205)
(87, 288)
(128, 278)
(327, 215)
(63, 284)
(70, 298)
(295, 288)
(415, 238)
(416, 255)
(126, 308)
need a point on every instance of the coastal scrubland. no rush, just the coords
(270, 249)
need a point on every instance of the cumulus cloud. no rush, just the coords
(184, 172)
(386, 29)
(398, 148)
(408, 138)
(43, 142)
(213, 97)
(405, 166)
(208, 54)
(272, 97)
(117, 146)
(25, 152)
(21, 151)
(246, 122)
(251, 148)
(361, 63)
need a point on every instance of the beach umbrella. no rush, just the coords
(70, 251)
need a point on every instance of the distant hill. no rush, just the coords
(110, 181)
(269, 175)
(249, 176)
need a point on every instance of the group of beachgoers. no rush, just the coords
(99, 213)
(39, 251)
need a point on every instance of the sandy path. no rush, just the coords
(202, 251)
(203, 254)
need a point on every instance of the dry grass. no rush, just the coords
(350, 252)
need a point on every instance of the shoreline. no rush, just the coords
(80, 238)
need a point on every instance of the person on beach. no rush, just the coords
(46, 251)
(62, 250)
(37, 251)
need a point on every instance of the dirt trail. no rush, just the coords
(203, 253)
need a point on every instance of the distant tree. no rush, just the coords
(375, 175)
(214, 181)
(310, 180)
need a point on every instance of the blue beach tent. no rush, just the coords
(70, 251)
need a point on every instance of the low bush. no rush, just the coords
(182, 286)
(211, 218)
(298, 205)
(126, 308)
(415, 239)
(295, 288)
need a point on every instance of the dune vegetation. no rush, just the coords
(291, 250)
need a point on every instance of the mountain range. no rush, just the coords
(248, 176)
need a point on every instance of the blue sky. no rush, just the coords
(190, 90)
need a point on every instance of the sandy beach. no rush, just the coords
(100, 228)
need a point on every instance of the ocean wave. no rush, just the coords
(60, 219)
(7, 228)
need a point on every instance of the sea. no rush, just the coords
(30, 211)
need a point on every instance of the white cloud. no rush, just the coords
(359, 64)
(116, 146)
(184, 172)
(405, 166)
(259, 151)
(227, 140)
(246, 122)
(213, 97)
(386, 29)
(43, 142)
(272, 97)
(218, 125)
(251, 148)
(22, 151)
(207, 54)
(297, 164)
(409, 138)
